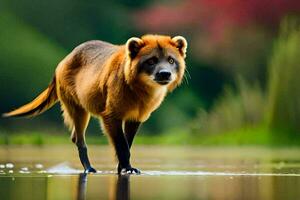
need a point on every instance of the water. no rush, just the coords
(54, 172)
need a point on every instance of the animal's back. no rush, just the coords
(78, 74)
(88, 54)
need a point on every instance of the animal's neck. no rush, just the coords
(147, 93)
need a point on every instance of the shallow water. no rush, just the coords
(54, 172)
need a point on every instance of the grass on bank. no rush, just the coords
(247, 136)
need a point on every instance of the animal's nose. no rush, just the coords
(163, 75)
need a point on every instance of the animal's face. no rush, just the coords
(156, 60)
(160, 66)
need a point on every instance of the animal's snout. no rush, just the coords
(163, 75)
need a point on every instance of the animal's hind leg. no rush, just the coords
(79, 119)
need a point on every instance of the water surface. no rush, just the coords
(54, 172)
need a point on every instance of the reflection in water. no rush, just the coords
(81, 189)
(121, 187)
(236, 174)
(175, 187)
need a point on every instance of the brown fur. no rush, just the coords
(101, 79)
(39, 105)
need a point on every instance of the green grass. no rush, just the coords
(37, 138)
(247, 136)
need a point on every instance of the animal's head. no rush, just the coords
(156, 60)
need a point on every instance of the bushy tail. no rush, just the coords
(39, 105)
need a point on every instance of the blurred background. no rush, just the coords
(243, 62)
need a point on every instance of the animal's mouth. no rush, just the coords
(163, 82)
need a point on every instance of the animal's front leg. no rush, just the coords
(113, 127)
(130, 129)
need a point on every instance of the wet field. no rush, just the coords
(54, 172)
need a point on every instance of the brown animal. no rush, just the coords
(120, 84)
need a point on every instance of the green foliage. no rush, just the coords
(41, 138)
(71, 22)
(259, 135)
(233, 111)
(284, 81)
(176, 111)
(27, 62)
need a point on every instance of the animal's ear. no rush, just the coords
(133, 46)
(181, 44)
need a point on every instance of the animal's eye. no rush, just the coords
(171, 60)
(152, 61)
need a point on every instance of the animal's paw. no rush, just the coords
(90, 170)
(129, 170)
